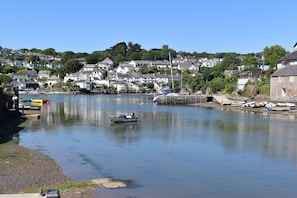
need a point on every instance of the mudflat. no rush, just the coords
(24, 169)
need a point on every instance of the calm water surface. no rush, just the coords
(174, 151)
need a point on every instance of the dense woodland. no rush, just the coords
(208, 79)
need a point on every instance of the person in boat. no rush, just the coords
(132, 115)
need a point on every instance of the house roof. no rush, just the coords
(185, 65)
(32, 72)
(107, 61)
(289, 56)
(290, 70)
(242, 81)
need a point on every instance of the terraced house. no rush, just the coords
(283, 83)
(283, 87)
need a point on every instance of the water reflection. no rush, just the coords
(272, 134)
(185, 147)
(125, 132)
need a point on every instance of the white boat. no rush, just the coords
(123, 118)
(280, 106)
(285, 104)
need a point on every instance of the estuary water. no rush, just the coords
(173, 151)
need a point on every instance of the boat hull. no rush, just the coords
(116, 119)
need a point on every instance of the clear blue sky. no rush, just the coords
(241, 26)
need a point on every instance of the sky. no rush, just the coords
(212, 26)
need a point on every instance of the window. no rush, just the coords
(292, 78)
(284, 92)
(279, 79)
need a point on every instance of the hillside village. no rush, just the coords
(126, 78)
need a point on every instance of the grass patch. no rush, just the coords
(75, 185)
(9, 151)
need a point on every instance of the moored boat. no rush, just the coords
(280, 106)
(123, 118)
(37, 100)
(46, 101)
(25, 100)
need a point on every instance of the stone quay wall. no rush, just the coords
(183, 99)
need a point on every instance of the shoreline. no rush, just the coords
(261, 110)
(24, 169)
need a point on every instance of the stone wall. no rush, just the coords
(183, 99)
(283, 89)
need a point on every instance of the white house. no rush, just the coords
(52, 80)
(187, 65)
(139, 63)
(241, 83)
(162, 64)
(72, 77)
(106, 64)
(120, 86)
(288, 59)
(124, 68)
(43, 74)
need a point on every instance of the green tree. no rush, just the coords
(119, 49)
(34, 50)
(164, 54)
(134, 47)
(72, 66)
(81, 55)
(134, 51)
(67, 56)
(230, 84)
(147, 55)
(217, 84)
(273, 54)
(150, 85)
(250, 61)
(97, 56)
(92, 58)
(22, 71)
(8, 69)
(50, 52)
(4, 79)
(230, 62)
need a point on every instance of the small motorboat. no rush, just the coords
(37, 100)
(46, 101)
(25, 100)
(123, 118)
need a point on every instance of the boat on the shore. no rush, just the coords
(25, 100)
(280, 106)
(23, 106)
(45, 101)
(123, 118)
(40, 101)
(35, 100)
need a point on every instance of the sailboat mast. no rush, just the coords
(171, 71)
